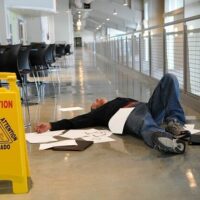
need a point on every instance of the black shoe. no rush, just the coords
(177, 130)
(168, 145)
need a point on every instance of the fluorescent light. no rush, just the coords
(108, 19)
(114, 12)
(125, 3)
(78, 23)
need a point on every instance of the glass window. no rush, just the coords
(171, 5)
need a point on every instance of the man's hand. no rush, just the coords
(42, 127)
(98, 103)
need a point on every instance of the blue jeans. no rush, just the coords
(163, 106)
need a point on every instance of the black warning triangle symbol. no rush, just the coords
(4, 135)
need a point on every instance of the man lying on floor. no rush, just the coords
(145, 120)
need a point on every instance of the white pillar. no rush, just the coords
(3, 29)
(63, 23)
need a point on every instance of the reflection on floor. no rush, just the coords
(124, 169)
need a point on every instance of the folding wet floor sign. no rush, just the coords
(13, 152)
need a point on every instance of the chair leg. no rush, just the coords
(37, 86)
(24, 89)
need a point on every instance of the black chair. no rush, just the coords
(38, 44)
(50, 59)
(37, 54)
(38, 62)
(50, 55)
(60, 50)
(2, 48)
(67, 49)
(9, 60)
(9, 63)
(24, 66)
(23, 60)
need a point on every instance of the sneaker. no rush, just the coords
(168, 145)
(177, 130)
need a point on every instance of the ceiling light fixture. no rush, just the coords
(108, 19)
(125, 3)
(78, 23)
(114, 12)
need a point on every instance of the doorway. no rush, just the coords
(78, 41)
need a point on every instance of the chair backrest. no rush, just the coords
(60, 50)
(37, 55)
(50, 54)
(67, 49)
(2, 56)
(38, 44)
(9, 60)
(23, 59)
(2, 48)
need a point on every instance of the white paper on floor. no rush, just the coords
(98, 139)
(190, 127)
(42, 137)
(57, 144)
(70, 109)
(95, 135)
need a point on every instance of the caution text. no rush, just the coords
(6, 104)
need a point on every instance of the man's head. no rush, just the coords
(98, 103)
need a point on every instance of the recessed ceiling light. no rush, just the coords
(125, 3)
(114, 12)
(108, 19)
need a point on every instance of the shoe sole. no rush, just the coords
(168, 149)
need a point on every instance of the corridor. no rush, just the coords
(123, 169)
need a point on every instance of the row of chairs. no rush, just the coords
(35, 60)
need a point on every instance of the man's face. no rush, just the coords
(98, 103)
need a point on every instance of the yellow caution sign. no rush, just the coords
(13, 152)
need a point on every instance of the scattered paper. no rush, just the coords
(70, 109)
(98, 139)
(42, 137)
(190, 127)
(190, 117)
(73, 134)
(81, 133)
(57, 144)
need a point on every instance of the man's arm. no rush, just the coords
(81, 121)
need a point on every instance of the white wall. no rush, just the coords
(34, 29)
(33, 4)
(3, 28)
(13, 23)
(51, 29)
(63, 23)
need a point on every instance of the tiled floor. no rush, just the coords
(124, 169)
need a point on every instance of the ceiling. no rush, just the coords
(101, 10)
(97, 14)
